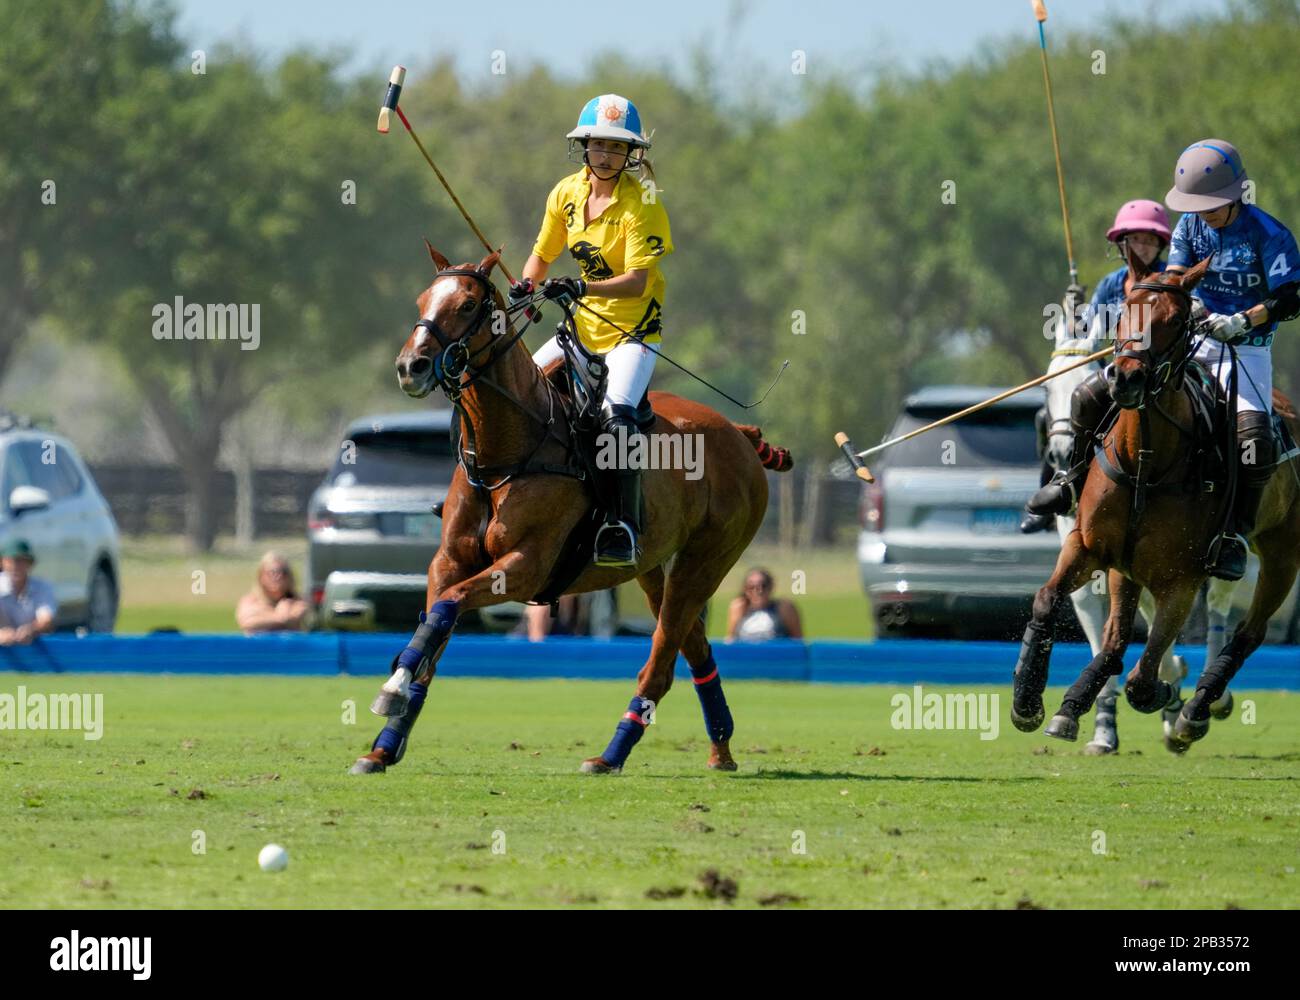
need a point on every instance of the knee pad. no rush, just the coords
(1089, 402)
(1257, 428)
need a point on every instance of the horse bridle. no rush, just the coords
(455, 358)
(1164, 364)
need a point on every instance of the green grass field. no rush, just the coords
(489, 810)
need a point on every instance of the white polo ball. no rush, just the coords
(273, 858)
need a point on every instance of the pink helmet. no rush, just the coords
(1140, 216)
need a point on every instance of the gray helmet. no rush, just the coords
(1209, 175)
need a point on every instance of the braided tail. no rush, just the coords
(772, 457)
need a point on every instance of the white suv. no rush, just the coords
(47, 496)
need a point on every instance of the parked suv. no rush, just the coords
(48, 497)
(939, 549)
(372, 532)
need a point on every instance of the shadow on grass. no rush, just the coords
(851, 776)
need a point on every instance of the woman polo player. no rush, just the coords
(616, 230)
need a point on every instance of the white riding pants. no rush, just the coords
(630, 367)
(1254, 373)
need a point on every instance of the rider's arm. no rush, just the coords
(536, 269)
(628, 285)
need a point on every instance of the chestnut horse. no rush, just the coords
(1160, 544)
(694, 528)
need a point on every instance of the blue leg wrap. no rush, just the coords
(717, 716)
(435, 626)
(393, 737)
(629, 731)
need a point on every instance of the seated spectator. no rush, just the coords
(755, 616)
(27, 604)
(273, 604)
(537, 622)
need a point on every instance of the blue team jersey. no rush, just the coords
(1253, 256)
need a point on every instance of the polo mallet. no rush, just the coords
(1040, 12)
(855, 457)
(391, 97)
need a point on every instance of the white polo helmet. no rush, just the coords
(610, 116)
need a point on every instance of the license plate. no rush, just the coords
(422, 525)
(995, 520)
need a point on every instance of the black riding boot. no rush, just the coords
(1258, 454)
(616, 542)
(1029, 522)
(1088, 407)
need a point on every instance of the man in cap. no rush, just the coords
(27, 604)
(1250, 286)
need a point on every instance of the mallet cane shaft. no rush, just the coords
(391, 97)
(855, 457)
(1040, 13)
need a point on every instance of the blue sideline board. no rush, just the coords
(888, 661)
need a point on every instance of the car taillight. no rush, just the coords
(871, 508)
(321, 520)
(317, 595)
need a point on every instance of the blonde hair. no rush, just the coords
(271, 560)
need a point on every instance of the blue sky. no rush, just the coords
(566, 36)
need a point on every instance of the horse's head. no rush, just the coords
(1152, 331)
(455, 325)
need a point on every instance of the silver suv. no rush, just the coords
(371, 529)
(372, 532)
(939, 549)
(48, 497)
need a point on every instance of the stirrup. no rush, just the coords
(616, 545)
(1227, 557)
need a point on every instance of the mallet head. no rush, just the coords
(859, 467)
(395, 81)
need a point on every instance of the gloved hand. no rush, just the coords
(1226, 328)
(564, 289)
(520, 291)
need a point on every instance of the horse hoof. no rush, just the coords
(597, 765)
(1027, 723)
(720, 758)
(371, 763)
(1222, 708)
(1063, 728)
(1100, 748)
(1188, 731)
(390, 704)
(1173, 746)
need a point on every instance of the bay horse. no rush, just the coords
(502, 540)
(1091, 604)
(1160, 542)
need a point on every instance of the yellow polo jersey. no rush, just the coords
(631, 234)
